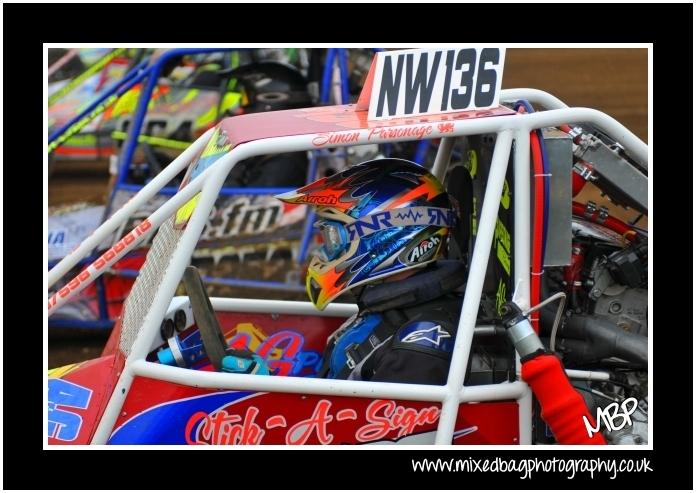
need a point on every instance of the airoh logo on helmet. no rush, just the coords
(423, 251)
(318, 199)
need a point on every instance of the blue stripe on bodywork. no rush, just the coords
(166, 423)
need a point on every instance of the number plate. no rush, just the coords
(431, 81)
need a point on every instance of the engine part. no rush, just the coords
(630, 266)
(601, 216)
(616, 176)
(597, 275)
(588, 229)
(587, 338)
(582, 173)
(520, 331)
(627, 308)
(611, 272)
(571, 274)
(599, 279)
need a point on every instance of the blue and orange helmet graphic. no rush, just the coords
(376, 219)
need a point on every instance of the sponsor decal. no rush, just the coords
(66, 229)
(379, 133)
(369, 225)
(407, 216)
(416, 132)
(433, 335)
(268, 250)
(424, 250)
(217, 145)
(441, 216)
(429, 335)
(445, 128)
(354, 121)
(222, 428)
(283, 351)
(500, 296)
(100, 263)
(231, 217)
(186, 211)
(505, 197)
(64, 398)
(317, 199)
(56, 237)
(242, 216)
(414, 215)
(324, 139)
(503, 245)
(139, 231)
(383, 418)
(158, 412)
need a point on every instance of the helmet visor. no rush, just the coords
(335, 239)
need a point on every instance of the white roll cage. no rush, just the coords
(509, 128)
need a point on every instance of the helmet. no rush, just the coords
(377, 219)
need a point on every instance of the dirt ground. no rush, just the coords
(614, 81)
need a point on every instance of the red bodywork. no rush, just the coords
(162, 412)
(324, 120)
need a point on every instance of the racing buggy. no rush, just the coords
(553, 331)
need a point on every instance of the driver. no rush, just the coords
(385, 225)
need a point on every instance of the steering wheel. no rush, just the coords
(211, 335)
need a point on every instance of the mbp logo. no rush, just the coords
(613, 418)
(423, 251)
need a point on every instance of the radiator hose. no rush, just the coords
(599, 338)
